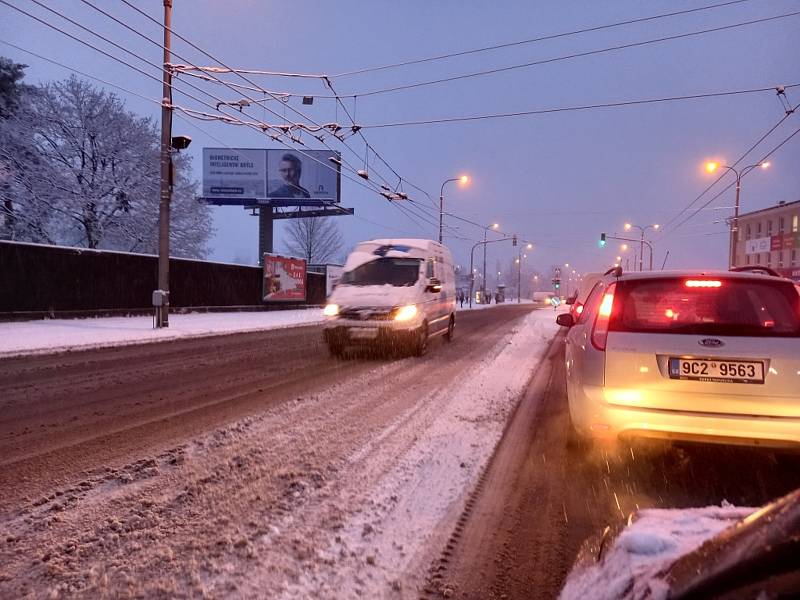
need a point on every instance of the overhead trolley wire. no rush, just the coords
(729, 186)
(719, 178)
(571, 56)
(584, 107)
(536, 39)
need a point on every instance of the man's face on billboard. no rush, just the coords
(289, 172)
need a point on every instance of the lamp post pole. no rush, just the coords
(162, 317)
(713, 166)
(642, 242)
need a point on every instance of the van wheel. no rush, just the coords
(451, 329)
(336, 349)
(421, 345)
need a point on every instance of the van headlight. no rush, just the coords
(404, 313)
(331, 310)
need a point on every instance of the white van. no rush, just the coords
(397, 293)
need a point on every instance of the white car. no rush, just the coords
(689, 355)
(395, 293)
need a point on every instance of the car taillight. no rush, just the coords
(600, 329)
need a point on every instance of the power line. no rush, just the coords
(765, 157)
(261, 128)
(544, 111)
(572, 56)
(87, 75)
(534, 40)
(241, 75)
(719, 178)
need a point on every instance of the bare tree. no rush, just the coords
(84, 171)
(317, 239)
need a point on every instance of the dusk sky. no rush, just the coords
(557, 180)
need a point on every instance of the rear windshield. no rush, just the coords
(383, 271)
(704, 306)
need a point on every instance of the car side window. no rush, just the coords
(592, 302)
(429, 271)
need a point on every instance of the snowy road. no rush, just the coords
(250, 465)
(541, 497)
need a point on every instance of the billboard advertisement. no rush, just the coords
(271, 174)
(284, 279)
(234, 173)
(757, 245)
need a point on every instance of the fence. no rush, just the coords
(56, 280)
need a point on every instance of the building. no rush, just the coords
(770, 237)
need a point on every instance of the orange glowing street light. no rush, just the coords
(463, 180)
(712, 166)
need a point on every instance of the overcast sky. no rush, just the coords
(556, 179)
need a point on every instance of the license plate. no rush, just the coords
(363, 333)
(720, 371)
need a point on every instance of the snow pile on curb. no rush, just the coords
(54, 335)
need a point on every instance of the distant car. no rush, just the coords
(689, 355)
(543, 298)
(395, 293)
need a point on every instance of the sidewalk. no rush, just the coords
(53, 335)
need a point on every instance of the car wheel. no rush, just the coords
(421, 345)
(577, 440)
(451, 327)
(336, 349)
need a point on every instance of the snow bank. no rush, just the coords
(54, 335)
(632, 565)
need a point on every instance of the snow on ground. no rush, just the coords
(54, 335)
(405, 516)
(350, 490)
(632, 565)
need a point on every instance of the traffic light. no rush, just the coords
(602, 240)
(556, 283)
(514, 240)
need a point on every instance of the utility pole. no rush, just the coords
(162, 311)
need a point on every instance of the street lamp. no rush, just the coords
(493, 227)
(656, 227)
(712, 166)
(463, 180)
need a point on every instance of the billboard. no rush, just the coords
(284, 279)
(757, 245)
(271, 174)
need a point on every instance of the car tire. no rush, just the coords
(576, 440)
(451, 328)
(421, 343)
(336, 349)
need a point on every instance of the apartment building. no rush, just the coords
(771, 237)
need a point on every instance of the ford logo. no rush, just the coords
(711, 342)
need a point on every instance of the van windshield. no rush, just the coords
(382, 271)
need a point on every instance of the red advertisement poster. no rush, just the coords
(284, 279)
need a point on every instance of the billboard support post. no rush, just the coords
(265, 232)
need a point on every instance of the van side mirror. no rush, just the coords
(565, 320)
(434, 285)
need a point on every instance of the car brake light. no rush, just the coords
(703, 283)
(579, 309)
(600, 329)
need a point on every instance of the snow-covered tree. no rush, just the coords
(85, 172)
(317, 239)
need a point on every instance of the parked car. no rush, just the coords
(690, 355)
(395, 293)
